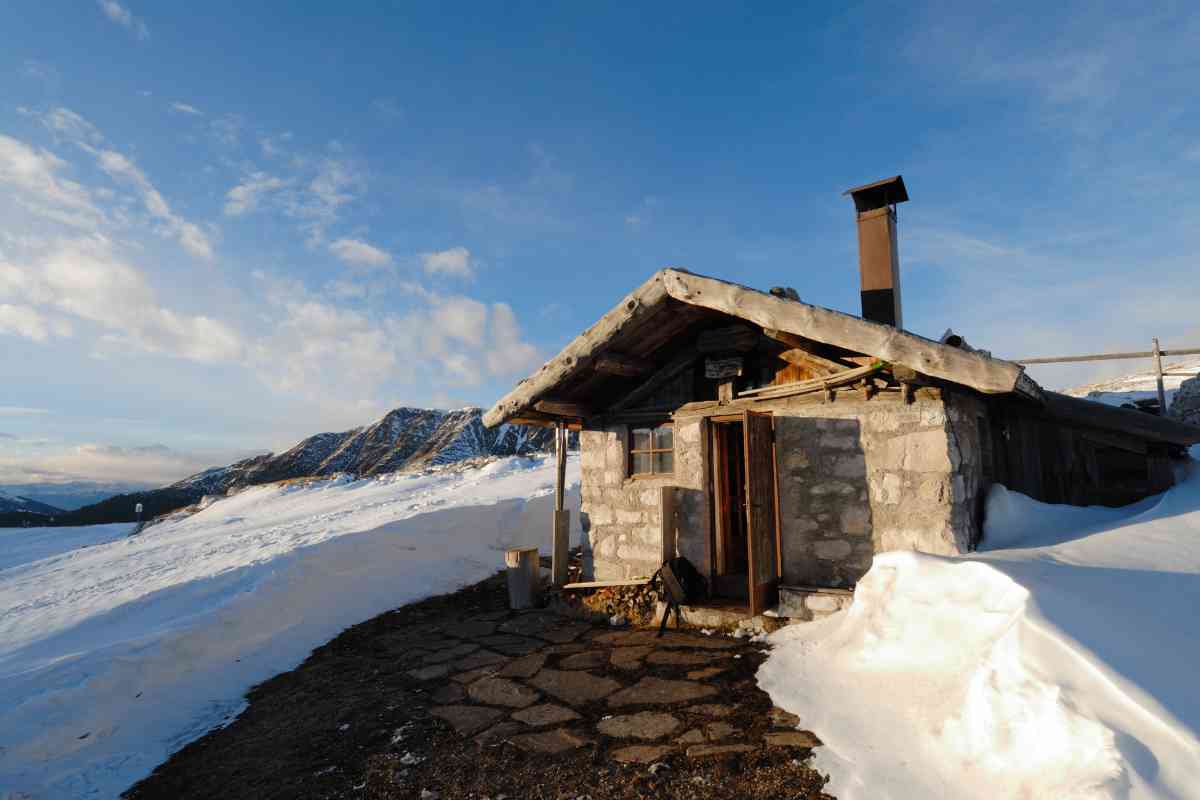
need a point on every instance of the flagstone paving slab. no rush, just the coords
(431, 672)
(471, 628)
(630, 658)
(701, 750)
(451, 653)
(791, 739)
(784, 719)
(705, 674)
(467, 719)
(470, 676)
(502, 692)
(659, 691)
(558, 740)
(544, 714)
(450, 693)
(511, 645)
(694, 736)
(716, 731)
(574, 687)
(480, 658)
(500, 732)
(642, 725)
(682, 658)
(590, 659)
(524, 667)
(711, 710)
(640, 753)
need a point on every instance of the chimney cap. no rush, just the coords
(886, 192)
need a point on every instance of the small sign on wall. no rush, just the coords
(720, 368)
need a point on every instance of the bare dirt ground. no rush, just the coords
(456, 697)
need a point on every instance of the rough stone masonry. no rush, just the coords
(856, 477)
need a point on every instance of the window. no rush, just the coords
(652, 450)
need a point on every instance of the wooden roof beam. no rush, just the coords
(563, 408)
(988, 375)
(622, 365)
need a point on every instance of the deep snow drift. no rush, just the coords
(1060, 663)
(115, 651)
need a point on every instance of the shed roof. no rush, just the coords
(652, 324)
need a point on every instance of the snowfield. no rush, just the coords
(1059, 662)
(115, 651)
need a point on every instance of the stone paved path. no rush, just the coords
(548, 684)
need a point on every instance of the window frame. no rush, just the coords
(652, 451)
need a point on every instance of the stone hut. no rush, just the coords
(779, 445)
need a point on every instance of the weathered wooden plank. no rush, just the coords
(805, 349)
(1134, 423)
(988, 375)
(657, 380)
(606, 584)
(623, 365)
(814, 385)
(738, 338)
(563, 408)
(580, 352)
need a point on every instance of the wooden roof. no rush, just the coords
(653, 321)
(656, 325)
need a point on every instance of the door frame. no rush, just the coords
(718, 490)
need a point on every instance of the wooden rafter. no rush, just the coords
(657, 380)
(623, 365)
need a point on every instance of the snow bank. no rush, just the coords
(1058, 664)
(114, 655)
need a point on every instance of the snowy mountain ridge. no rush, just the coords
(18, 504)
(405, 438)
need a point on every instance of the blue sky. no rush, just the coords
(225, 226)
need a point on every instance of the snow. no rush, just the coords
(1139, 386)
(117, 650)
(1057, 663)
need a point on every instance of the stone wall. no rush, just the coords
(620, 515)
(856, 477)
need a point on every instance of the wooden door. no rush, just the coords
(762, 510)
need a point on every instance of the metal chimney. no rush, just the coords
(878, 256)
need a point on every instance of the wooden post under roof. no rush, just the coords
(1162, 395)
(561, 541)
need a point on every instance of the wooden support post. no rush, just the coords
(1162, 395)
(725, 392)
(560, 555)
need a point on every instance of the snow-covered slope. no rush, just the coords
(116, 651)
(19, 504)
(1060, 663)
(1129, 389)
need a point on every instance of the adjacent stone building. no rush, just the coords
(778, 444)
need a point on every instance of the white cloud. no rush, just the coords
(119, 167)
(84, 279)
(189, 234)
(355, 251)
(22, 411)
(387, 107)
(124, 17)
(28, 322)
(184, 108)
(461, 318)
(456, 261)
(34, 180)
(154, 464)
(507, 353)
(247, 195)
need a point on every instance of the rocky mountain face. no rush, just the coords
(405, 439)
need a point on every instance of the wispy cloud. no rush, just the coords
(83, 134)
(184, 108)
(247, 195)
(35, 179)
(124, 17)
(22, 411)
(455, 262)
(356, 251)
